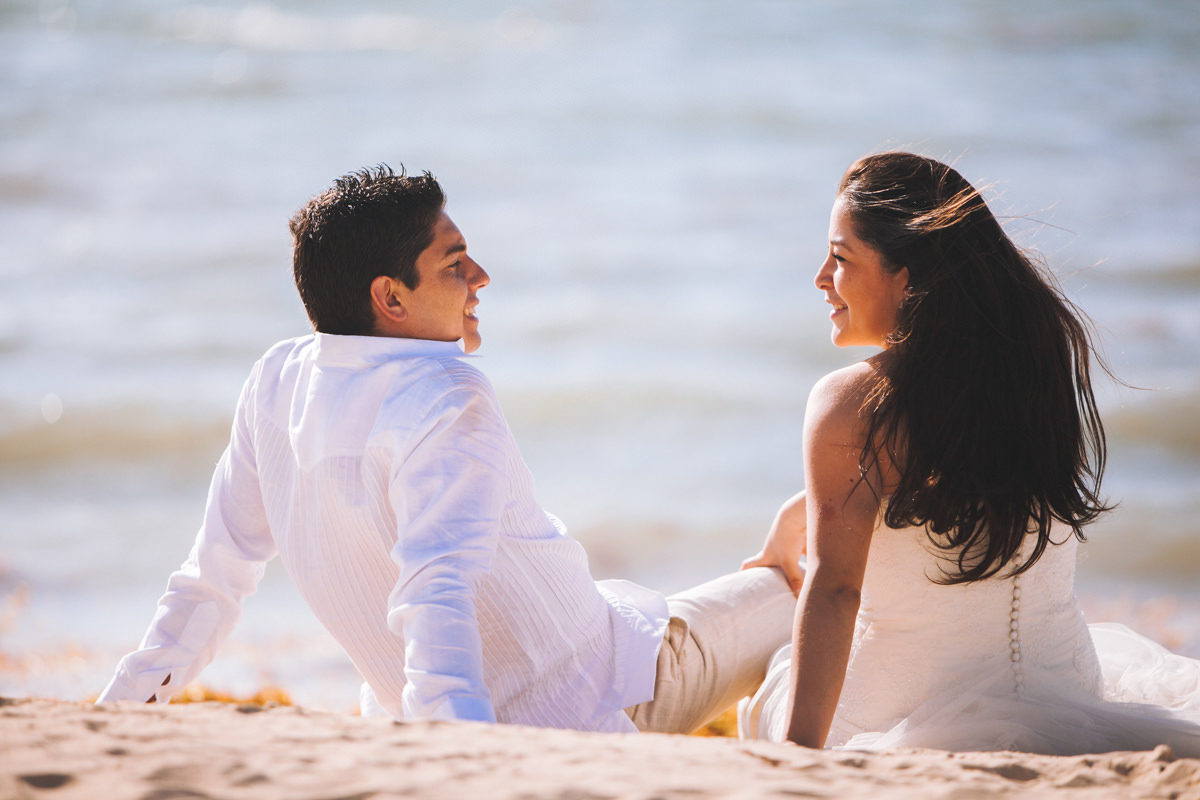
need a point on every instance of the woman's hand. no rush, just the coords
(786, 542)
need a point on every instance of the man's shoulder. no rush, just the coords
(456, 372)
(435, 392)
(422, 379)
(278, 354)
(438, 383)
(287, 348)
(272, 365)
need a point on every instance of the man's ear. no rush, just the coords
(386, 302)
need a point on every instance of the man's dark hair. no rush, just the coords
(371, 222)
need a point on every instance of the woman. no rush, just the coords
(949, 479)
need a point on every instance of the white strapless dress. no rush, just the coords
(1000, 664)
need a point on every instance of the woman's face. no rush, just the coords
(865, 297)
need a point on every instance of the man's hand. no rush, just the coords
(786, 542)
(154, 697)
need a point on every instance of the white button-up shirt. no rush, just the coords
(384, 475)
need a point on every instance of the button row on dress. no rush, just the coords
(1014, 637)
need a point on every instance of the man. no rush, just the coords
(376, 463)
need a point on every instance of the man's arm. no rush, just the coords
(204, 596)
(449, 495)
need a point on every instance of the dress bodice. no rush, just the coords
(916, 637)
(1004, 663)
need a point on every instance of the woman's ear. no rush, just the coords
(900, 277)
(386, 303)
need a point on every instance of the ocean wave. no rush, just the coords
(1165, 419)
(124, 434)
(1158, 552)
(265, 27)
(1183, 276)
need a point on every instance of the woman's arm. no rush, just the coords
(841, 515)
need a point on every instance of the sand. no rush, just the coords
(65, 750)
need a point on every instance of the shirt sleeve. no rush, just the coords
(448, 494)
(203, 600)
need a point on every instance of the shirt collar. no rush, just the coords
(334, 348)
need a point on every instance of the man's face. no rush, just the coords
(442, 307)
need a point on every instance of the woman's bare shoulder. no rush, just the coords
(836, 426)
(838, 397)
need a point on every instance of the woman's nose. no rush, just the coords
(824, 275)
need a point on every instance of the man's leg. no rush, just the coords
(720, 639)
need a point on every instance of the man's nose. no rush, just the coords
(481, 278)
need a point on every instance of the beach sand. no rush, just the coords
(66, 750)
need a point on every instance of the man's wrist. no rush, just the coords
(469, 708)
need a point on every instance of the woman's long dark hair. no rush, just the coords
(984, 399)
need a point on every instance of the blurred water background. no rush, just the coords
(649, 186)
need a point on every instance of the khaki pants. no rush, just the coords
(720, 639)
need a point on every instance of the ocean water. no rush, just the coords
(648, 185)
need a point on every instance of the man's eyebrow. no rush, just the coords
(458, 247)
